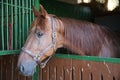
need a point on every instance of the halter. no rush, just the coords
(41, 53)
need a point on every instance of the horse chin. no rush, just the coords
(28, 73)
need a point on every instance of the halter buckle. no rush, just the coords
(54, 35)
(36, 58)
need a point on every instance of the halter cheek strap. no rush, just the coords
(42, 53)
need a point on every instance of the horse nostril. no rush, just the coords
(21, 68)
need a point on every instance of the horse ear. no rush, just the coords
(36, 13)
(43, 11)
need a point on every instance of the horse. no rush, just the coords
(48, 32)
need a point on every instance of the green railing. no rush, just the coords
(15, 19)
(88, 58)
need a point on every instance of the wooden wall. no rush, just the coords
(69, 69)
(62, 69)
(8, 68)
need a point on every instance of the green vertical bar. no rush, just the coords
(36, 75)
(19, 24)
(16, 24)
(30, 12)
(2, 30)
(7, 41)
(30, 15)
(36, 3)
(0, 27)
(27, 9)
(12, 22)
(23, 38)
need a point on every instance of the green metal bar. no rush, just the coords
(16, 25)
(9, 26)
(27, 17)
(68, 56)
(30, 13)
(12, 23)
(9, 52)
(19, 25)
(7, 37)
(2, 29)
(36, 3)
(23, 38)
(88, 58)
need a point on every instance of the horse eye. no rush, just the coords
(39, 34)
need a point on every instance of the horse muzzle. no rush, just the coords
(27, 68)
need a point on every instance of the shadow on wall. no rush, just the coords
(62, 9)
(112, 21)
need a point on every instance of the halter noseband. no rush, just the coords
(41, 53)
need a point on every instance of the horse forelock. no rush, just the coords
(39, 22)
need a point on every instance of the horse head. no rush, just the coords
(41, 42)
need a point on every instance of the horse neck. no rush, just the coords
(81, 38)
(85, 38)
(63, 39)
(71, 35)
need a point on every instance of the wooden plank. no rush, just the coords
(115, 68)
(96, 75)
(67, 68)
(15, 70)
(81, 70)
(56, 70)
(45, 73)
(40, 74)
(77, 74)
(107, 71)
(60, 73)
(53, 72)
(4, 68)
(60, 68)
(67, 73)
(85, 74)
(22, 77)
(8, 68)
(0, 67)
(95, 72)
(107, 77)
(85, 71)
(29, 78)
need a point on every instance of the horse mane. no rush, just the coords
(86, 38)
